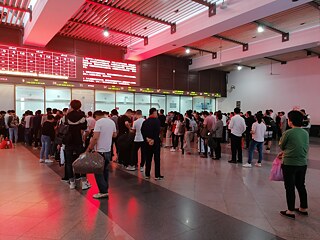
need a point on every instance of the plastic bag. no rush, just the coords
(276, 170)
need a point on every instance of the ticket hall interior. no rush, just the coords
(167, 65)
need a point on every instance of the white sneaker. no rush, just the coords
(141, 169)
(48, 161)
(247, 165)
(85, 185)
(258, 165)
(172, 150)
(41, 161)
(131, 168)
(72, 185)
(100, 195)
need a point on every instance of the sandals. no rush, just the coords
(288, 215)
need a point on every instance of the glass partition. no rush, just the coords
(142, 102)
(209, 104)
(186, 104)
(158, 102)
(173, 103)
(29, 98)
(58, 98)
(198, 104)
(7, 94)
(86, 97)
(124, 100)
(105, 101)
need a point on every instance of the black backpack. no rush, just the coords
(62, 133)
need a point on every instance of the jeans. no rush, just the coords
(46, 145)
(13, 132)
(177, 137)
(27, 136)
(252, 147)
(150, 152)
(236, 147)
(71, 152)
(134, 158)
(103, 179)
(294, 176)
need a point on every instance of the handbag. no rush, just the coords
(89, 162)
(276, 170)
(204, 132)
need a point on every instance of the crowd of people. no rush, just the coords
(68, 133)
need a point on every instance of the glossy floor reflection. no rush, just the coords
(199, 199)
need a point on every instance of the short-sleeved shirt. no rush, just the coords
(259, 130)
(209, 121)
(295, 145)
(137, 126)
(91, 122)
(122, 124)
(162, 119)
(106, 127)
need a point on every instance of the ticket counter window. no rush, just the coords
(142, 102)
(186, 104)
(158, 102)
(124, 101)
(198, 104)
(29, 98)
(58, 98)
(173, 103)
(105, 101)
(86, 97)
(7, 94)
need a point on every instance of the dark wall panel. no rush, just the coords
(193, 81)
(181, 74)
(205, 78)
(87, 49)
(10, 36)
(148, 73)
(61, 44)
(165, 72)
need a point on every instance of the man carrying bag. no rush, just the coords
(104, 131)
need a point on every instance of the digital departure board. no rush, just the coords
(36, 63)
(109, 72)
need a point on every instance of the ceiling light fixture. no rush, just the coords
(106, 33)
(239, 68)
(187, 50)
(260, 29)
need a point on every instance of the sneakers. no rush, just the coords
(159, 178)
(258, 164)
(66, 180)
(146, 177)
(85, 185)
(48, 161)
(100, 195)
(72, 185)
(41, 161)
(131, 168)
(172, 150)
(141, 169)
(247, 165)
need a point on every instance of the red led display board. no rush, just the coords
(36, 63)
(109, 72)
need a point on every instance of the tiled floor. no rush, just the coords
(199, 199)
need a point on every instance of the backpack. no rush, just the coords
(305, 121)
(63, 130)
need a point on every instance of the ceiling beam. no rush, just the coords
(245, 46)
(300, 40)
(212, 6)
(309, 52)
(109, 29)
(27, 10)
(276, 60)
(128, 11)
(214, 54)
(285, 35)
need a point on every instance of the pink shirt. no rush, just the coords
(210, 122)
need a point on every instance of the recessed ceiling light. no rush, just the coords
(239, 68)
(106, 33)
(176, 11)
(254, 36)
(302, 23)
(260, 29)
(187, 50)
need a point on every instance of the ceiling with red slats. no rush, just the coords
(11, 12)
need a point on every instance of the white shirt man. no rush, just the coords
(104, 131)
(237, 126)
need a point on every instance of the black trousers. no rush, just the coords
(153, 152)
(217, 150)
(177, 137)
(224, 134)
(72, 152)
(294, 176)
(248, 137)
(236, 148)
(135, 149)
